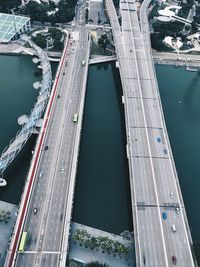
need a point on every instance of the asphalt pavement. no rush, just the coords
(154, 184)
(51, 194)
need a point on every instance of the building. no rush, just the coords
(12, 26)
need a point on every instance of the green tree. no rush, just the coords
(40, 40)
(103, 41)
(7, 5)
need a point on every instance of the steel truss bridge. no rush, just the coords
(17, 143)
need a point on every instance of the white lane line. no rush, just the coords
(41, 252)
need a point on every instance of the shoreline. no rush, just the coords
(174, 59)
(163, 58)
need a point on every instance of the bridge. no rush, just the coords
(102, 59)
(50, 184)
(15, 146)
(161, 231)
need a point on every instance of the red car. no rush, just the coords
(174, 260)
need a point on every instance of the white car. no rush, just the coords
(62, 170)
(177, 210)
(35, 210)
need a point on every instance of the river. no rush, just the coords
(102, 189)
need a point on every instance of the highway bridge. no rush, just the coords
(161, 231)
(45, 210)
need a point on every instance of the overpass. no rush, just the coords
(161, 231)
(102, 59)
(46, 206)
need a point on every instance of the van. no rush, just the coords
(173, 228)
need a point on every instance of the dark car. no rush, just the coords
(174, 260)
(46, 148)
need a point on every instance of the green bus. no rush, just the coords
(23, 242)
(75, 119)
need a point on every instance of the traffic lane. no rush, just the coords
(152, 114)
(55, 216)
(53, 198)
(166, 182)
(49, 259)
(144, 186)
(177, 244)
(39, 196)
(25, 259)
(33, 220)
(35, 224)
(32, 233)
(151, 247)
(53, 219)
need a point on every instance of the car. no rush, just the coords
(174, 260)
(177, 210)
(158, 139)
(62, 170)
(165, 151)
(41, 174)
(173, 228)
(35, 210)
(46, 148)
(171, 195)
(164, 215)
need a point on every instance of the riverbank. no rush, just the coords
(175, 59)
(88, 244)
(17, 49)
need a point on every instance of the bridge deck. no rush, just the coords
(152, 174)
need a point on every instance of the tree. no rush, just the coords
(40, 40)
(103, 41)
(7, 5)
(37, 11)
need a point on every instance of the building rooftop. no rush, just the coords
(10, 25)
